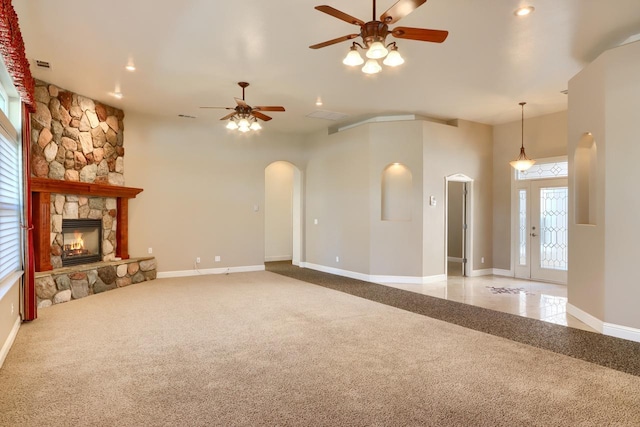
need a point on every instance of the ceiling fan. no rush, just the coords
(244, 116)
(374, 33)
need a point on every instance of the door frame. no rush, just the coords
(514, 212)
(468, 233)
(297, 206)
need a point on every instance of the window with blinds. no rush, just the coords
(10, 204)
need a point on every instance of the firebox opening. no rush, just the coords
(82, 241)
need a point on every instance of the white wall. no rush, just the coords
(396, 246)
(201, 183)
(278, 211)
(9, 313)
(604, 100)
(344, 194)
(337, 196)
(465, 148)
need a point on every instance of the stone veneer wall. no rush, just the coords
(84, 280)
(65, 206)
(75, 138)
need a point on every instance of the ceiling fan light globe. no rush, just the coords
(371, 67)
(377, 51)
(232, 125)
(353, 58)
(243, 129)
(393, 59)
(243, 123)
(255, 126)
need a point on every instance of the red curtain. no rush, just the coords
(30, 308)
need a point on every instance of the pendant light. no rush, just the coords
(522, 163)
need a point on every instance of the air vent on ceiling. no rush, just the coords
(566, 91)
(42, 64)
(186, 116)
(327, 115)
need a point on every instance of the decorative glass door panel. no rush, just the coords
(549, 216)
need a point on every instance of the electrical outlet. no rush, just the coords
(11, 308)
(150, 250)
(217, 258)
(482, 260)
(337, 259)
(197, 260)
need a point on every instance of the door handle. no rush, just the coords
(533, 235)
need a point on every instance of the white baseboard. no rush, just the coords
(205, 271)
(417, 280)
(277, 258)
(619, 331)
(336, 271)
(454, 259)
(4, 351)
(611, 329)
(585, 317)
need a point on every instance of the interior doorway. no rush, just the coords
(283, 213)
(458, 225)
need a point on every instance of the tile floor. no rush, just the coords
(537, 300)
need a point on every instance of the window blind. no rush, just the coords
(10, 233)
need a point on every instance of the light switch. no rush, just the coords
(432, 200)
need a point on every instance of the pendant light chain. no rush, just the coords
(522, 136)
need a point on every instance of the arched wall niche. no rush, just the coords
(397, 183)
(585, 160)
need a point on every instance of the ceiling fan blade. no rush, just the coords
(340, 15)
(261, 116)
(220, 108)
(400, 9)
(334, 41)
(241, 102)
(268, 108)
(228, 116)
(421, 34)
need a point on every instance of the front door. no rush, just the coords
(542, 230)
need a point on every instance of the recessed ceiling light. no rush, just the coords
(524, 11)
(130, 67)
(319, 101)
(116, 95)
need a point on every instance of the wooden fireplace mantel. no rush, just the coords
(41, 189)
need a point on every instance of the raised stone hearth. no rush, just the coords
(67, 283)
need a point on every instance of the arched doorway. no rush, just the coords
(283, 212)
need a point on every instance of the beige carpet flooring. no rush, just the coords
(263, 349)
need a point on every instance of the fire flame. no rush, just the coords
(78, 243)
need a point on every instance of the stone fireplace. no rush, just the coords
(79, 201)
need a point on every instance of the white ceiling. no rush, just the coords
(191, 53)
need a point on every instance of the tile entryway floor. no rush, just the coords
(536, 300)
